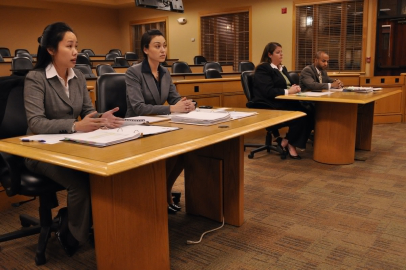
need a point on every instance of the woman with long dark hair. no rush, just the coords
(271, 79)
(55, 96)
(149, 86)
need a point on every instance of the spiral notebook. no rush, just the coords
(140, 120)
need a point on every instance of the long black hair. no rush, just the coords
(50, 39)
(147, 37)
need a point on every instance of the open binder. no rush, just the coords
(104, 137)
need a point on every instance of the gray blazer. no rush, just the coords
(48, 108)
(309, 79)
(143, 97)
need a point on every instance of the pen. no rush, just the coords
(28, 140)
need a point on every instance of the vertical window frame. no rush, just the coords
(135, 40)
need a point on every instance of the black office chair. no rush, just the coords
(24, 54)
(244, 66)
(294, 76)
(180, 67)
(17, 51)
(16, 179)
(212, 73)
(247, 85)
(20, 66)
(104, 68)
(86, 70)
(89, 52)
(131, 56)
(83, 58)
(111, 93)
(5, 51)
(121, 62)
(214, 65)
(117, 51)
(1, 58)
(198, 60)
(111, 56)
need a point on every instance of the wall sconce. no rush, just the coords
(182, 21)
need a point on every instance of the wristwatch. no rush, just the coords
(73, 128)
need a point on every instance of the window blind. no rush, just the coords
(140, 29)
(335, 28)
(225, 38)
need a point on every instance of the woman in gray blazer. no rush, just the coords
(55, 95)
(149, 86)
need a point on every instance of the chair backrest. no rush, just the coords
(14, 177)
(111, 56)
(213, 65)
(103, 69)
(13, 121)
(83, 58)
(5, 51)
(121, 62)
(181, 67)
(131, 56)
(21, 65)
(295, 77)
(111, 93)
(212, 73)
(247, 83)
(24, 54)
(17, 51)
(86, 70)
(244, 66)
(198, 60)
(89, 52)
(115, 51)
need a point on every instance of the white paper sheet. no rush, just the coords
(313, 94)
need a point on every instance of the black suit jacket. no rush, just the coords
(309, 79)
(269, 83)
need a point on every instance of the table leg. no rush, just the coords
(130, 219)
(214, 181)
(334, 139)
(364, 126)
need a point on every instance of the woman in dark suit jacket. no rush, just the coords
(149, 86)
(55, 95)
(271, 79)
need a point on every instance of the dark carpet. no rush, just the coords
(298, 215)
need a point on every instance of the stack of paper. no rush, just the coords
(237, 115)
(202, 118)
(359, 89)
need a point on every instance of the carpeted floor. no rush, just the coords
(298, 215)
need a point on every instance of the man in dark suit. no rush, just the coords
(314, 77)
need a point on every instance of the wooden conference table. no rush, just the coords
(341, 125)
(128, 183)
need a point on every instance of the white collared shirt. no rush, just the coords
(280, 69)
(51, 72)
